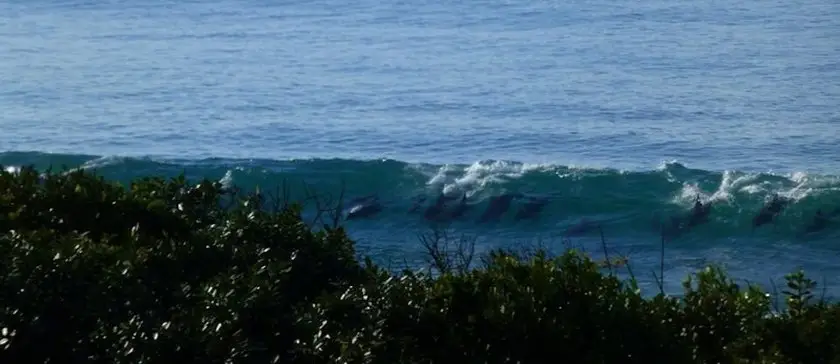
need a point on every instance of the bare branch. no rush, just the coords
(604, 246)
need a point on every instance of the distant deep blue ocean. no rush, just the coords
(619, 112)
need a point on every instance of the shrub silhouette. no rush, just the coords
(165, 271)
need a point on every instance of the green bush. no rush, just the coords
(167, 271)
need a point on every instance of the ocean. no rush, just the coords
(618, 113)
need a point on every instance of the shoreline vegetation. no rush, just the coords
(168, 270)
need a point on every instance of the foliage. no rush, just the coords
(166, 271)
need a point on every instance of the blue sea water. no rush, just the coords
(619, 111)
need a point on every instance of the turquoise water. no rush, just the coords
(619, 112)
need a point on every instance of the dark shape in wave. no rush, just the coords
(770, 210)
(461, 208)
(498, 206)
(582, 198)
(436, 211)
(821, 221)
(532, 208)
(362, 207)
(683, 223)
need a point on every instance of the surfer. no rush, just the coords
(770, 210)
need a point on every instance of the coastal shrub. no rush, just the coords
(166, 270)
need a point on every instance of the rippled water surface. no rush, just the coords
(582, 101)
